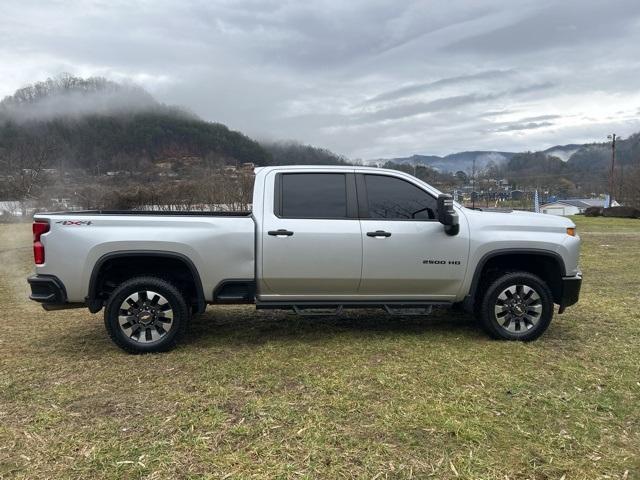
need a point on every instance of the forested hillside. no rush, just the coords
(292, 153)
(585, 171)
(98, 125)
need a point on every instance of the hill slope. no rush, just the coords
(591, 158)
(98, 125)
(94, 122)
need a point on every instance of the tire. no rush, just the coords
(516, 306)
(146, 314)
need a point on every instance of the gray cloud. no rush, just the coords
(445, 103)
(409, 110)
(539, 118)
(533, 87)
(410, 90)
(523, 126)
(110, 99)
(568, 24)
(367, 78)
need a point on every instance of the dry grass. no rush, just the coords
(268, 395)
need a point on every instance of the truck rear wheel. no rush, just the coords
(516, 306)
(146, 314)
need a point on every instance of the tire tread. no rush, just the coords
(181, 314)
(486, 305)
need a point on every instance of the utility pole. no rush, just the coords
(473, 184)
(613, 163)
(621, 191)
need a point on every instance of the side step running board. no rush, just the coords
(317, 311)
(330, 309)
(408, 311)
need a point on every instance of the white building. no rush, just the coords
(573, 206)
(11, 207)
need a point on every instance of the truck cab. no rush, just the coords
(356, 236)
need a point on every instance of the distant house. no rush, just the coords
(572, 206)
(517, 194)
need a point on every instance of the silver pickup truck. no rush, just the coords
(319, 239)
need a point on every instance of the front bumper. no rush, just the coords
(570, 291)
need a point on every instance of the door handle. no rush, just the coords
(282, 232)
(379, 233)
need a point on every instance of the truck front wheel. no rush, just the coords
(146, 314)
(516, 306)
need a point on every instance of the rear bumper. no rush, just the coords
(47, 289)
(50, 292)
(570, 291)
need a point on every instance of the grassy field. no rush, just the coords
(269, 395)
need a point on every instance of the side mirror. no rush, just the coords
(447, 214)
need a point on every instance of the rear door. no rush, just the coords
(406, 252)
(311, 237)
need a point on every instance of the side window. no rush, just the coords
(313, 195)
(396, 199)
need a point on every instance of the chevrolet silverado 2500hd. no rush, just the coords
(317, 237)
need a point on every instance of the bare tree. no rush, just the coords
(30, 160)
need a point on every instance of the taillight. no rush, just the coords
(39, 227)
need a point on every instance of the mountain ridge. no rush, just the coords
(463, 161)
(99, 125)
(452, 162)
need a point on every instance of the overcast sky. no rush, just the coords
(367, 79)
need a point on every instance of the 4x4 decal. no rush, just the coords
(74, 222)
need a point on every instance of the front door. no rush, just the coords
(406, 252)
(311, 238)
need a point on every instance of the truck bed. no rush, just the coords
(220, 245)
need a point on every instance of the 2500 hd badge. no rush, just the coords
(441, 262)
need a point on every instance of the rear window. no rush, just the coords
(313, 195)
